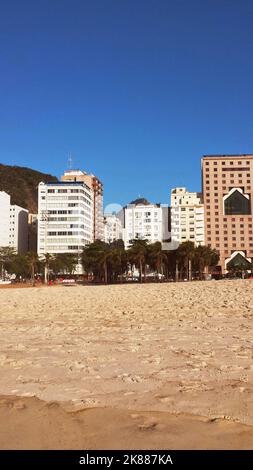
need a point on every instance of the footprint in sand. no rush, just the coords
(130, 378)
(165, 399)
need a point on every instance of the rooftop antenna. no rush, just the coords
(70, 161)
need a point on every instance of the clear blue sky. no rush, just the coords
(137, 90)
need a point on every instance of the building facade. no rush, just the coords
(112, 228)
(5, 203)
(65, 218)
(14, 225)
(97, 188)
(145, 221)
(187, 217)
(18, 233)
(228, 192)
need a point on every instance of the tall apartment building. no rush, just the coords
(97, 188)
(187, 217)
(65, 218)
(5, 202)
(18, 234)
(113, 228)
(228, 191)
(143, 220)
(14, 224)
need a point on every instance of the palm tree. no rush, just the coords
(157, 257)
(137, 254)
(33, 262)
(64, 262)
(104, 256)
(185, 254)
(7, 254)
(205, 257)
(118, 262)
(95, 259)
(47, 259)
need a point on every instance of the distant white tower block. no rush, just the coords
(187, 217)
(145, 221)
(113, 228)
(65, 218)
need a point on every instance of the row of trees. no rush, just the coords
(111, 262)
(29, 264)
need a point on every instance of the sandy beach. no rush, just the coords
(133, 366)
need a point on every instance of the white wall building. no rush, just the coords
(18, 232)
(142, 220)
(65, 218)
(4, 218)
(112, 228)
(187, 217)
(13, 224)
(97, 189)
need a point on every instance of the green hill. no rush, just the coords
(22, 185)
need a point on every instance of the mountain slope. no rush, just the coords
(22, 185)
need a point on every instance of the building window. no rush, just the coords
(236, 204)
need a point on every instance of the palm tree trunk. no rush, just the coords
(140, 264)
(177, 273)
(205, 272)
(46, 274)
(105, 272)
(190, 270)
(162, 268)
(33, 275)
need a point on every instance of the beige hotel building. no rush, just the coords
(227, 193)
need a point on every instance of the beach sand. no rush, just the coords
(127, 366)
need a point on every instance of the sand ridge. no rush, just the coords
(111, 428)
